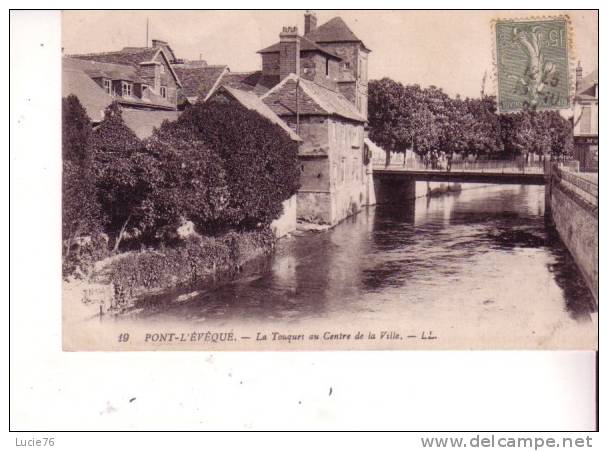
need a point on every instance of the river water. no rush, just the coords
(479, 269)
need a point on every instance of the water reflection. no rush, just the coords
(477, 260)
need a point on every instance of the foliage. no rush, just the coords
(258, 157)
(545, 132)
(192, 184)
(124, 173)
(81, 216)
(410, 117)
(138, 273)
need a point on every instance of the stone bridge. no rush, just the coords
(394, 183)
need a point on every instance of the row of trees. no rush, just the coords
(405, 117)
(220, 166)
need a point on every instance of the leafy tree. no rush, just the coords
(124, 175)
(81, 211)
(258, 157)
(192, 183)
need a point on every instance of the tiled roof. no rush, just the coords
(588, 81)
(132, 56)
(335, 30)
(95, 69)
(199, 81)
(252, 102)
(250, 81)
(91, 96)
(312, 99)
(244, 81)
(92, 69)
(305, 45)
(143, 122)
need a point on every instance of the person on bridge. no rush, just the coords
(449, 157)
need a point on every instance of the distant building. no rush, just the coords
(586, 138)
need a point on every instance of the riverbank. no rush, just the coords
(116, 283)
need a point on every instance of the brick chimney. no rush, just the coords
(310, 22)
(157, 43)
(579, 75)
(289, 57)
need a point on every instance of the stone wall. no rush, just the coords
(577, 224)
(348, 172)
(286, 223)
(270, 63)
(315, 206)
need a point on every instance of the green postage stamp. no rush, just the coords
(532, 63)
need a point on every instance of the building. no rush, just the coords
(316, 83)
(321, 92)
(135, 76)
(141, 80)
(586, 102)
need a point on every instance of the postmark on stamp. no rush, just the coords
(532, 62)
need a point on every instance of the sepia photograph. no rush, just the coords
(329, 180)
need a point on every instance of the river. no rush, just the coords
(479, 269)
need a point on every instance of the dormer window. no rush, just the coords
(162, 69)
(127, 89)
(163, 92)
(107, 86)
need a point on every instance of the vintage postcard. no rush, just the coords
(329, 180)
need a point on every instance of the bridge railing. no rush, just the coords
(585, 186)
(489, 166)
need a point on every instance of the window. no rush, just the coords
(346, 65)
(163, 92)
(326, 67)
(162, 68)
(107, 86)
(144, 90)
(127, 89)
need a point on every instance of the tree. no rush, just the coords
(124, 173)
(401, 117)
(259, 159)
(558, 133)
(80, 208)
(192, 183)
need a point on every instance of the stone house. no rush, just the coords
(321, 92)
(586, 104)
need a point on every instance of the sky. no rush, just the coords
(449, 49)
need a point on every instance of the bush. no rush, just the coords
(191, 185)
(258, 157)
(143, 273)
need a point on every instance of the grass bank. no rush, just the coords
(116, 283)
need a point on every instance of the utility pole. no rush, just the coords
(147, 30)
(483, 83)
